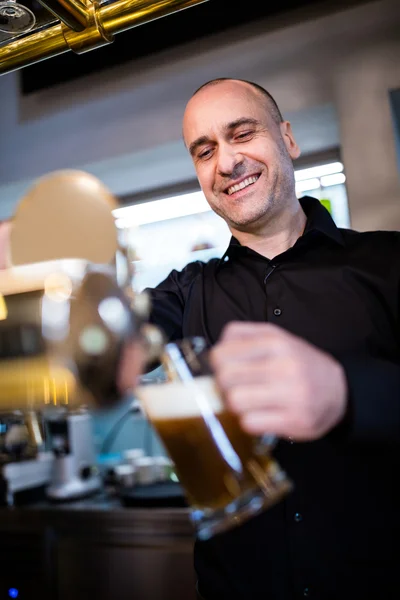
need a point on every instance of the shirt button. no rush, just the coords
(277, 312)
(306, 592)
(298, 517)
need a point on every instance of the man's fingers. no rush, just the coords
(260, 422)
(246, 350)
(276, 423)
(244, 398)
(240, 330)
(255, 372)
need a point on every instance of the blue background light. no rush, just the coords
(13, 593)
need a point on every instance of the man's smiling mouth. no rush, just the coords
(241, 185)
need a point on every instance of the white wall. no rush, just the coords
(367, 132)
(395, 105)
(330, 74)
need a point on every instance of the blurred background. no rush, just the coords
(334, 69)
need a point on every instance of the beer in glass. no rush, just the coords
(227, 474)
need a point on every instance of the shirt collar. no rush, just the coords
(318, 220)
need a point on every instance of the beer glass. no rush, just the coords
(15, 18)
(228, 475)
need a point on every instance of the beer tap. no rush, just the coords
(69, 320)
(67, 315)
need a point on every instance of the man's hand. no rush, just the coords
(130, 367)
(278, 383)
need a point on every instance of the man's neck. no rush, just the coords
(276, 236)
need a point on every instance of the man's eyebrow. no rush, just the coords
(199, 142)
(204, 139)
(242, 121)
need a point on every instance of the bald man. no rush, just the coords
(302, 319)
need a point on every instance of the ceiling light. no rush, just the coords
(320, 171)
(161, 210)
(306, 186)
(333, 179)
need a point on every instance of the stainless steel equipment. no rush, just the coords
(25, 481)
(25, 466)
(74, 471)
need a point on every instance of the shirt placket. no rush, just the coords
(272, 293)
(296, 521)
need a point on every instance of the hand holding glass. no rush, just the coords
(228, 475)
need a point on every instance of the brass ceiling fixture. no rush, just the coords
(84, 25)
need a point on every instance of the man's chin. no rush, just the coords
(245, 218)
(248, 224)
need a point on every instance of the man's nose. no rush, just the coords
(228, 160)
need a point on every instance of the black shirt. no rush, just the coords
(338, 533)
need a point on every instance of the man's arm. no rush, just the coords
(373, 412)
(167, 309)
(168, 300)
(167, 303)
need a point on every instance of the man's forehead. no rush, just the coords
(225, 93)
(218, 105)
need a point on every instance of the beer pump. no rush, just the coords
(67, 314)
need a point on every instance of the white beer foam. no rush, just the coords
(180, 400)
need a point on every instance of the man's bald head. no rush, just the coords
(264, 94)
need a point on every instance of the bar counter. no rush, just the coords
(96, 548)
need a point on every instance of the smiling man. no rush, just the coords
(303, 321)
(243, 151)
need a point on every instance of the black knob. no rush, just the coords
(86, 472)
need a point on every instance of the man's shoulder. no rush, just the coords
(375, 240)
(199, 267)
(185, 277)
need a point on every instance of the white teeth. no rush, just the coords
(242, 184)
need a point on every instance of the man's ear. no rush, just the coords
(288, 138)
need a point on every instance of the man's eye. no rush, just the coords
(205, 154)
(243, 135)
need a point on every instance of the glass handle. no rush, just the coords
(265, 443)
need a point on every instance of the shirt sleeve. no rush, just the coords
(168, 300)
(374, 400)
(374, 383)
